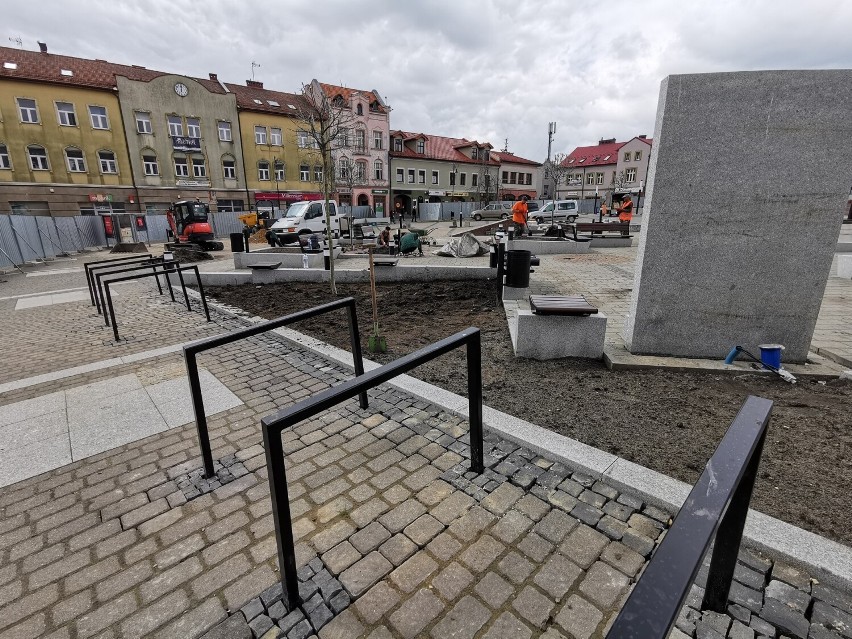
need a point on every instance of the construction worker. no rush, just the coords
(520, 212)
(625, 210)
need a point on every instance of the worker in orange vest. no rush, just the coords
(520, 212)
(625, 211)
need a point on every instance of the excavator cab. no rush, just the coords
(189, 223)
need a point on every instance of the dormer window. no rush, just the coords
(486, 154)
(397, 145)
(421, 146)
(359, 109)
(337, 101)
(475, 152)
(374, 105)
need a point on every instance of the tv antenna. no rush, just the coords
(254, 65)
(17, 41)
(506, 146)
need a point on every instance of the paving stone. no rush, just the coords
(444, 546)
(641, 544)
(260, 625)
(413, 572)
(276, 612)
(274, 593)
(320, 616)
(368, 512)
(563, 500)
(511, 526)
(533, 606)
(587, 513)
(234, 627)
(786, 594)
(557, 576)
(740, 631)
(481, 553)
(361, 576)
(423, 529)
(397, 549)
(507, 626)
(583, 546)
(330, 536)
(435, 492)
(763, 627)
(343, 626)
(465, 619)
(452, 507)
(832, 618)
(515, 567)
(502, 498)
(571, 487)
(373, 604)
(301, 630)
(787, 620)
(452, 580)
(713, 621)
(736, 611)
(746, 597)
(623, 558)
(493, 589)
(341, 557)
(532, 507)
(535, 547)
(603, 584)
(555, 526)
(369, 538)
(790, 575)
(656, 513)
(618, 511)
(832, 597)
(290, 620)
(629, 500)
(578, 617)
(416, 613)
(402, 515)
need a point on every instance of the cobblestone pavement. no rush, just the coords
(394, 537)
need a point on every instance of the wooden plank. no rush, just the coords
(561, 305)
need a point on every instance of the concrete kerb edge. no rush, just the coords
(827, 560)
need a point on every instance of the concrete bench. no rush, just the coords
(559, 326)
(385, 261)
(271, 266)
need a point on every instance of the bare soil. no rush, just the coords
(668, 421)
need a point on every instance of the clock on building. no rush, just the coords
(181, 89)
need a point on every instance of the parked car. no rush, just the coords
(495, 211)
(304, 218)
(563, 211)
(532, 206)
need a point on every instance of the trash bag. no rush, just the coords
(463, 246)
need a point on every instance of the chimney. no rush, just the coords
(643, 137)
(42, 46)
(214, 77)
(254, 83)
(607, 141)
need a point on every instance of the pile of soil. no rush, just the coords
(668, 421)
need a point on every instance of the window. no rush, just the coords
(98, 115)
(637, 156)
(302, 139)
(199, 167)
(38, 158)
(193, 128)
(453, 177)
(462, 179)
(304, 172)
(505, 177)
(590, 179)
(529, 179)
(421, 176)
(359, 110)
(150, 165)
(399, 175)
(175, 126)
(474, 180)
(360, 172)
(275, 136)
(411, 176)
(260, 135)
(225, 131)
(513, 177)
(627, 156)
(229, 169)
(434, 177)
(343, 170)
(76, 163)
(377, 139)
(229, 206)
(378, 170)
(421, 146)
(181, 166)
(279, 171)
(4, 157)
(107, 162)
(474, 152)
(599, 178)
(65, 112)
(630, 175)
(143, 122)
(27, 110)
(317, 173)
(397, 145)
(263, 170)
(343, 137)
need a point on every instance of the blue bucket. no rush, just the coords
(770, 354)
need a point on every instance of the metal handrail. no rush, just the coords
(275, 424)
(167, 271)
(191, 350)
(87, 268)
(717, 505)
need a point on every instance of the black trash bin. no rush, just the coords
(518, 268)
(237, 243)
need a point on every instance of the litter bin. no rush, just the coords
(237, 243)
(518, 268)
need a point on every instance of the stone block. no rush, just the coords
(739, 232)
(513, 293)
(544, 337)
(844, 266)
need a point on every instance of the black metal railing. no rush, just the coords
(169, 269)
(274, 425)
(190, 351)
(88, 267)
(150, 264)
(717, 505)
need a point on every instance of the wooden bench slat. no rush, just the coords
(561, 305)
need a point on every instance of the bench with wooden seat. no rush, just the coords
(266, 266)
(558, 326)
(597, 229)
(561, 305)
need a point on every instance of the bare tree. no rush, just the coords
(486, 178)
(326, 123)
(556, 170)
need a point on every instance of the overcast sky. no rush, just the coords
(480, 69)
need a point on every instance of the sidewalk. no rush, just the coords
(394, 537)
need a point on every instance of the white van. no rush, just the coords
(565, 210)
(307, 217)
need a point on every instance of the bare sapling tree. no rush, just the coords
(326, 122)
(556, 170)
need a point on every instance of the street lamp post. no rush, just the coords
(639, 195)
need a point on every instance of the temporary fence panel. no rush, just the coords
(11, 255)
(49, 236)
(69, 236)
(226, 222)
(90, 228)
(26, 233)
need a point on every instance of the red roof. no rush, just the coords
(248, 98)
(599, 154)
(504, 156)
(332, 91)
(97, 74)
(438, 148)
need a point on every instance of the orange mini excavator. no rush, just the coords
(188, 221)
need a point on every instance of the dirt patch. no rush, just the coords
(668, 421)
